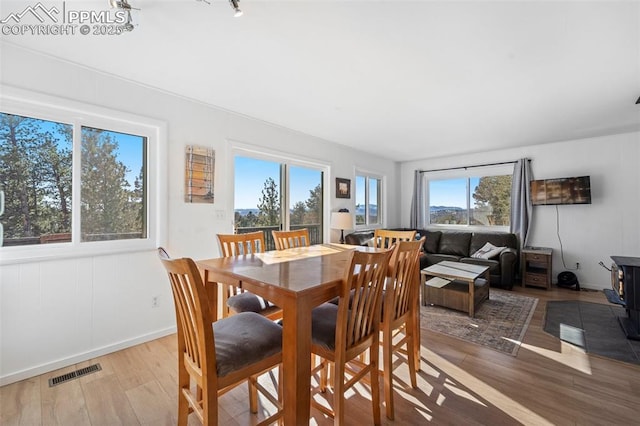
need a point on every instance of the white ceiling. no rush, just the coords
(402, 79)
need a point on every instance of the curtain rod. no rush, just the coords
(470, 167)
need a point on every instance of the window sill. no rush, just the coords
(58, 251)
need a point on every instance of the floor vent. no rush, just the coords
(74, 375)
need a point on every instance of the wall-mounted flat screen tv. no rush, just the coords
(570, 190)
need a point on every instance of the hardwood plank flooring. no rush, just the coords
(548, 383)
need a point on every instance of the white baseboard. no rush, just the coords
(65, 362)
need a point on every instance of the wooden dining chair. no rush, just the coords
(291, 239)
(340, 333)
(214, 357)
(400, 315)
(234, 299)
(386, 238)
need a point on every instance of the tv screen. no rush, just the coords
(570, 190)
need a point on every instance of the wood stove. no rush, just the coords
(625, 280)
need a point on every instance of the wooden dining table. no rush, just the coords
(296, 280)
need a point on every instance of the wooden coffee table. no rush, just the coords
(455, 285)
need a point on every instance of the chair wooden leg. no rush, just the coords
(375, 383)
(280, 393)
(253, 395)
(331, 372)
(323, 375)
(387, 369)
(411, 355)
(338, 394)
(183, 404)
(416, 336)
(210, 407)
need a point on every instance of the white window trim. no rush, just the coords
(381, 209)
(31, 104)
(496, 170)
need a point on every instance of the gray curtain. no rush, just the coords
(417, 220)
(521, 208)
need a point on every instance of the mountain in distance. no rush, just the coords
(359, 210)
(444, 208)
(244, 212)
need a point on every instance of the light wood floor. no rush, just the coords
(548, 382)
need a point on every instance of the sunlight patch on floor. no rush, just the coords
(499, 400)
(569, 355)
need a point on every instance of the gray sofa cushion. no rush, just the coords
(455, 243)
(244, 339)
(432, 240)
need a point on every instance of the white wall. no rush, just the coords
(589, 233)
(59, 312)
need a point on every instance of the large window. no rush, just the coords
(470, 200)
(368, 191)
(73, 181)
(273, 195)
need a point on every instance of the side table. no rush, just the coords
(536, 267)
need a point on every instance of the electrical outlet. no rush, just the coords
(154, 302)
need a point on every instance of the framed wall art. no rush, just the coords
(343, 188)
(199, 172)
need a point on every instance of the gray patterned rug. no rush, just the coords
(500, 322)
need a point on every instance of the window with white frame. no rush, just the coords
(74, 180)
(475, 197)
(368, 197)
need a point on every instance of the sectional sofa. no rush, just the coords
(460, 246)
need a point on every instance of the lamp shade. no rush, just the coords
(341, 220)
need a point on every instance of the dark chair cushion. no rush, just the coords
(244, 339)
(455, 243)
(248, 302)
(323, 325)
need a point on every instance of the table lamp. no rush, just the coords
(341, 220)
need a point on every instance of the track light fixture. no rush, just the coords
(124, 5)
(234, 5)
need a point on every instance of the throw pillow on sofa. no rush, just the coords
(488, 251)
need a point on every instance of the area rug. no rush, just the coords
(593, 327)
(500, 322)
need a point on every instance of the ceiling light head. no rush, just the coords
(120, 4)
(128, 26)
(234, 5)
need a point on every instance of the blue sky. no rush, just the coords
(251, 173)
(129, 147)
(451, 192)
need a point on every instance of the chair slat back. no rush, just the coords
(365, 280)
(403, 286)
(195, 337)
(291, 239)
(385, 238)
(241, 244)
